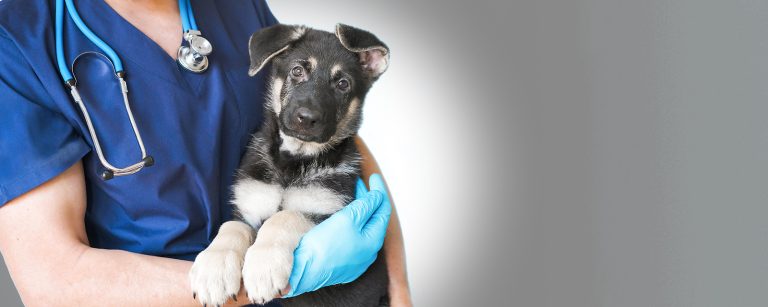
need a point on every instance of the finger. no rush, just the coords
(347, 276)
(361, 213)
(284, 291)
(360, 210)
(376, 182)
(300, 259)
(376, 227)
(360, 189)
(315, 277)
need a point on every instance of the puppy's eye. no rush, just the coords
(342, 85)
(297, 71)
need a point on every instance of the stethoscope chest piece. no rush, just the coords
(195, 56)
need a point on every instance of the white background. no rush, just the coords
(570, 152)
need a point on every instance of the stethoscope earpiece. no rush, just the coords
(107, 174)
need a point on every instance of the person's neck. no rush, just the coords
(158, 19)
(143, 4)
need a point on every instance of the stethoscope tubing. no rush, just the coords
(187, 17)
(188, 24)
(59, 33)
(187, 20)
(72, 10)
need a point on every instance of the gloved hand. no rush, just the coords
(342, 247)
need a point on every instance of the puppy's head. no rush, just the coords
(318, 81)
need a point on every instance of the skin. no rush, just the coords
(48, 220)
(158, 19)
(44, 243)
(394, 251)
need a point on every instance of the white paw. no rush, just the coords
(215, 276)
(266, 271)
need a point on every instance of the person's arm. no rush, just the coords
(43, 241)
(394, 251)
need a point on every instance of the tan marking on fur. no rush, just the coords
(275, 93)
(216, 273)
(312, 63)
(299, 32)
(335, 69)
(268, 262)
(285, 228)
(353, 106)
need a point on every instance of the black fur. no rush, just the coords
(319, 91)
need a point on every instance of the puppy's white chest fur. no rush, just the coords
(257, 200)
(279, 215)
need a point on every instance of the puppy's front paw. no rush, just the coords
(215, 276)
(266, 271)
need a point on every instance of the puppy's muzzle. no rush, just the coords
(306, 123)
(305, 119)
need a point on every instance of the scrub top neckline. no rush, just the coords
(138, 48)
(141, 33)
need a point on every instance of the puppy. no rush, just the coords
(300, 168)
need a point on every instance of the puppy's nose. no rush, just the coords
(305, 118)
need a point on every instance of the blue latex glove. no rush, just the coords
(342, 247)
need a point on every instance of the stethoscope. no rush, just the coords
(193, 58)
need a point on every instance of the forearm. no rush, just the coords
(45, 247)
(394, 250)
(87, 276)
(112, 277)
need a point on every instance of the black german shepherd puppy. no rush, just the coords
(300, 168)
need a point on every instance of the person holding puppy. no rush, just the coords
(69, 237)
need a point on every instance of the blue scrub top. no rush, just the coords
(196, 126)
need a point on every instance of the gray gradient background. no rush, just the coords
(571, 152)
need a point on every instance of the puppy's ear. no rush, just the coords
(269, 42)
(374, 54)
